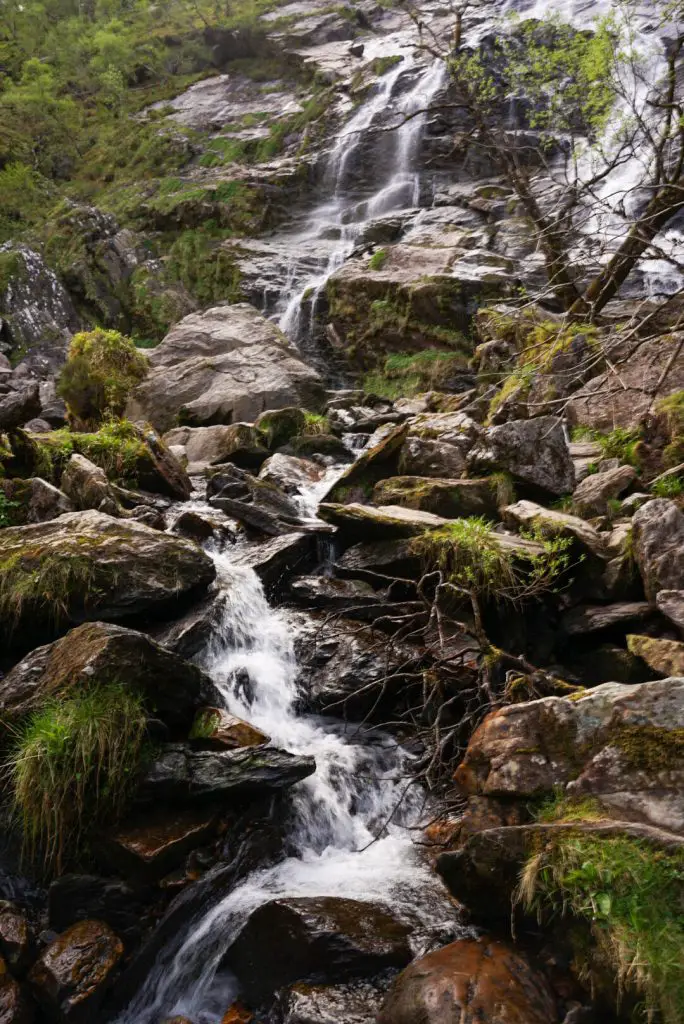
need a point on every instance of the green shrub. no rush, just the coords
(631, 896)
(668, 486)
(73, 766)
(102, 368)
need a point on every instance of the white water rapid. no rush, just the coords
(349, 825)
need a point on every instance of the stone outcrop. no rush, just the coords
(223, 365)
(535, 452)
(592, 495)
(71, 976)
(87, 486)
(659, 546)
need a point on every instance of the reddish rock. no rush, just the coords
(16, 939)
(148, 847)
(237, 1014)
(72, 974)
(216, 729)
(15, 1005)
(470, 980)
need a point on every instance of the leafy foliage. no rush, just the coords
(101, 369)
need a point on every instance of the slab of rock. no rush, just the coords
(18, 406)
(305, 938)
(144, 849)
(87, 486)
(180, 775)
(224, 365)
(17, 943)
(453, 499)
(201, 527)
(206, 446)
(587, 619)
(659, 546)
(528, 514)
(425, 456)
(71, 976)
(665, 657)
(384, 558)
(330, 594)
(275, 561)
(671, 604)
(454, 428)
(290, 474)
(592, 495)
(97, 652)
(217, 729)
(107, 568)
(470, 979)
(535, 452)
(620, 744)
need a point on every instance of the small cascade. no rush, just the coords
(348, 823)
(343, 217)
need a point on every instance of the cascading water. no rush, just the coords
(348, 824)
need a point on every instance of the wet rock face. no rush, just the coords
(73, 898)
(16, 938)
(223, 365)
(37, 317)
(355, 1003)
(104, 568)
(288, 940)
(478, 980)
(71, 976)
(147, 845)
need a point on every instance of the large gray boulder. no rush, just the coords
(223, 365)
(37, 317)
(658, 531)
(592, 495)
(88, 565)
(535, 452)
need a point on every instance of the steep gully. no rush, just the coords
(350, 823)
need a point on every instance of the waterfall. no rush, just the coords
(347, 824)
(344, 218)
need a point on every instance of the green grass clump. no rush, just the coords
(621, 443)
(631, 895)
(102, 368)
(46, 583)
(378, 259)
(315, 424)
(73, 766)
(407, 374)
(116, 447)
(669, 487)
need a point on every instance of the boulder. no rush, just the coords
(325, 448)
(180, 774)
(15, 1006)
(671, 604)
(17, 943)
(665, 657)
(36, 500)
(71, 976)
(145, 847)
(453, 499)
(551, 523)
(240, 444)
(310, 938)
(378, 460)
(333, 595)
(276, 560)
(202, 527)
(290, 474)
(17, 407)
(470, 980)
(454, 428)
(593, 494)
(357, 1002)
(619, 744)
(206, 446)
(226, 364)
(87, 486)
(98, 652)
(86, 566)
(535, 452)
(383, 558)
(73, 898)
(659, 546)
(217, 729)
(279, 426)
(595, 618)
(431, 457)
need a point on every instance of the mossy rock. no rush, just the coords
(280, 425)
(448, 498)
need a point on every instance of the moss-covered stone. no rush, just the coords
(448, 498)
(664, 657)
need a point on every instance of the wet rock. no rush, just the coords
(290, 474)
(37, 317)
(96, 651)
(470, 979)
(216, 729)
(376, 461)
(180, 775)
(71, 976)
(535, 452)
(237, 1014)
(276, 560)
(278, 426)
(203, 527)
(307, 938)
(592, 496)
(355, 1003)
(363, 419)
(18, 406)
(87, 486)
(191, 633)
(588, 619)
(223, 365)
(73, 898)
(383, 558)
(659, 546)
(325, 592)
(144, 848)
(664, 657)
(619, 744)
(361, 522)
(671, 604)
(15, 1005)
(107, 569)
(529, 515)
(452, 499)
(17, 943)
(431, 457)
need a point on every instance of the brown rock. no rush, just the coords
(146, 848)
(237, 1014)
(216, 729)
(15, 1005)
(665, 657)
(16, 938)
(70, 977)
(470, 980)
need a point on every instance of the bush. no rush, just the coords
(73, 766)
(101, 370)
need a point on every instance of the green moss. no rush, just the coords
(46, 584)
(11, 267)
(378, 259)
(116, 447)
(520, 381)
(648, 748)
(381, 65)
(74, 766)
(631, 896)
(101, 369)
(405, 375)
(315, 424)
